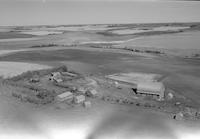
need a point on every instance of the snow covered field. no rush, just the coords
(10, 69)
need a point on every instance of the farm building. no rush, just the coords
(56, 76)
(69, 74)
(35, 79)
(87, 104)
(134, 77)
(92, 93)
(155, 89)
(57, 80)
(64, 96)
(81, 90)
(79, 99)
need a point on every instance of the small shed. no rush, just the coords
(87, 104)
(56, 74)
(91, 93)
(56, 77)
(58, 80)
(79, 99)
(178, 116)
(64, 96)
(35, 79)
(151, 88)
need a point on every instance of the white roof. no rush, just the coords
(150, 86)
(70, 74)
(80, 98)
(134, 77)
(93, 91)
(55, 73)
(66, 94)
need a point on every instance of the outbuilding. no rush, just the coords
(87, 104)
(81, 90)
(91, 92)
(64, 96)
(35, 79)
(69, 74)
(56, 77)
(155, 89)
(56, 74)
(178, 116)
(79, 99)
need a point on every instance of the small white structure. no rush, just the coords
(79, 99)
(81, 90)
(116, 84)
(92, 93)
(58, 80)
(178, 116)
(64, 96)
(35, 79)
(170, 96)
(87, 104)
(69, 74)
(55, 79)
(56, 74)
(155, 89)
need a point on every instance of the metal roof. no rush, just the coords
(66, 94)
(154, 87)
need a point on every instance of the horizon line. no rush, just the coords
(102, 24)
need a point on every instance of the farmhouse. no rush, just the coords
(64, 96)
(56, 74)
(81, 90)
(35, 79)
(155, 89)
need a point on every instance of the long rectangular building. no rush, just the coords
(155, 89)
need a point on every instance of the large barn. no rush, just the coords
(155, 89)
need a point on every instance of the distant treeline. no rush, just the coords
(44, 45)
(144, 51)
(52, 45)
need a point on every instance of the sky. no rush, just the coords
(54, 12)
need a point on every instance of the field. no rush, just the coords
(96, 51)
(10, 69)
(143, 30)
(11, 35)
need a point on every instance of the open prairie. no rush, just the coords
(187, 40)
(101, 62)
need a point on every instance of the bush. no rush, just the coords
(44, 45)
(17, 95)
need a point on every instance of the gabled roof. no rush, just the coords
(66, 94)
